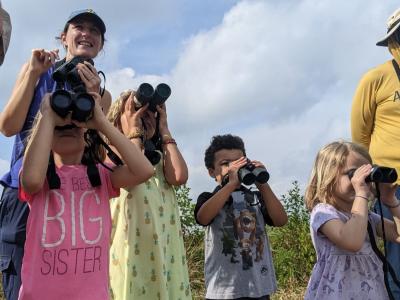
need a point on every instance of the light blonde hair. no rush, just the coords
(328, 165)
(117, 108)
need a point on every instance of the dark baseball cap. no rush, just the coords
(91, 15)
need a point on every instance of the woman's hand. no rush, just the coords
(388, 194)
(41, 60)
(89, 76)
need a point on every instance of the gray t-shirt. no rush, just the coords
(238, 260)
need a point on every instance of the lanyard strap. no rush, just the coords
(396, 68)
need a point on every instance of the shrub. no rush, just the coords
(292, 249)
(186, 209)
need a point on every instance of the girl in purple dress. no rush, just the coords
(338, 197)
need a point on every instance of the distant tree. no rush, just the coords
(186, 208)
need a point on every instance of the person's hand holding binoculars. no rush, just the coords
(233, 168)
(98, 118)
(131, 117)
(89, 76)
(163, 123)
(388, 194)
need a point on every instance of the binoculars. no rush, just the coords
(77, 101)
(250, 174)
(379, 174)
(67, 72)
(80, 104)
(147, 94)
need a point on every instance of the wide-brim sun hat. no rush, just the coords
(5, 35)
(90, 15)
(393, 23)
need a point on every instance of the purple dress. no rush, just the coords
(340, 274)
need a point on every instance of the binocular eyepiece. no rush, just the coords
(379, 174)
(77, 101)
(81, 105)
(147, 94)
(250, 174)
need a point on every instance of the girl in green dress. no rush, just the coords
(148, 259)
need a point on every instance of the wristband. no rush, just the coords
(169, 141)
(394, 206)
(363, 197)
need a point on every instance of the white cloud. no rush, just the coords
(281, 74)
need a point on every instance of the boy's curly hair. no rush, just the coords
(221, 142)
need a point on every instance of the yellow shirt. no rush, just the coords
(375, 115)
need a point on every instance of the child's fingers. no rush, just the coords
(257, 164)
(140, 112)
(96, 96)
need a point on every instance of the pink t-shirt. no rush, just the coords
(68, 238)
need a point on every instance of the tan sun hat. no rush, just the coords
(393, 23)
(5, 33)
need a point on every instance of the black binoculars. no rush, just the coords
(68, 72)
(147, 94)
(250, 174)
(80, 104)
(379, 174)
(77, 101)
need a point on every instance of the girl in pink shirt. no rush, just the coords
(68, 229)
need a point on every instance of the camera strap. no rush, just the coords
(102, 89)
(93, 137)
(386, 266)
(89, 159)
(396, 68)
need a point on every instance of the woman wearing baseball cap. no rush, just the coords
(83, 35)
(375, 121)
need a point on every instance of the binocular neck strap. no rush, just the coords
(51, 174)
(387, 267)
(102, 89)
(94, 137)
(91, 169)
(156, 139)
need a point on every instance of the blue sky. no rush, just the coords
(280, 74)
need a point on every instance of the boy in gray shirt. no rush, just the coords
(238, 261)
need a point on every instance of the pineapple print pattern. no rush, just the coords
(147, 254)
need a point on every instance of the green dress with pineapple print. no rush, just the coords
(147, 255)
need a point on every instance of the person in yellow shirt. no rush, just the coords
(375, 120)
